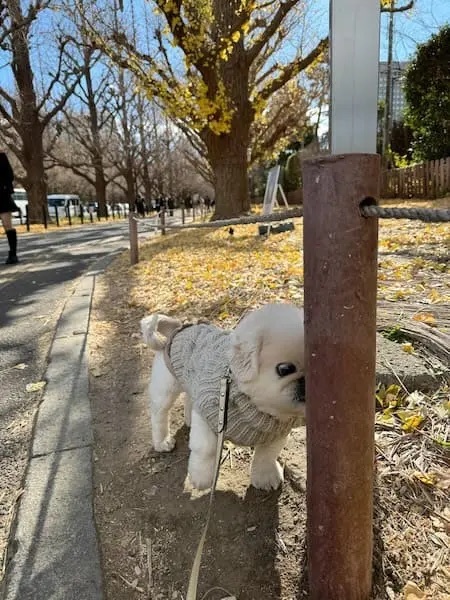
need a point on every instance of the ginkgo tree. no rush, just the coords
(215, 67)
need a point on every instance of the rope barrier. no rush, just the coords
(251, 219)
(429, 215)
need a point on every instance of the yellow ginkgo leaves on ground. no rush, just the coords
(212, 274)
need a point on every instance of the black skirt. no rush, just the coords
(7, 203)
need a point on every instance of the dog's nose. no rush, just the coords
(300, 391)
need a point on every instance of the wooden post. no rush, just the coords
(44, 217)
(163, 221)
(134, 246)
(340, 272)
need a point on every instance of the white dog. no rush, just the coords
(265, 356)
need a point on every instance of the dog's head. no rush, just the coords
(267, 359)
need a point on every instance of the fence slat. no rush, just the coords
(430, 179)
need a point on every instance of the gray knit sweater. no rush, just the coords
(198, 356)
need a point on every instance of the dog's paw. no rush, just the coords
(268, 476)
(167, 445)
(201, 473)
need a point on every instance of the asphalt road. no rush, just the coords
(32, 296)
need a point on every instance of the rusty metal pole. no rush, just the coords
(133, 229)
(340, 272)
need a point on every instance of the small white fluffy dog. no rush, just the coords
(265, 356)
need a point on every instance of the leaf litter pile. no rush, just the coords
(217, 276)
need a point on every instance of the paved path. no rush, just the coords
(44, 315)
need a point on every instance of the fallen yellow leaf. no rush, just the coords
(411, 591)
(408, 347)
(35, 387)
(427, 478)
(413, 422)
(427, 318)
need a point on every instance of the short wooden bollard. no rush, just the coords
(340, 272)
(133, 229)
(163, 222)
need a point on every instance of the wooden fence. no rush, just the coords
(426, 180)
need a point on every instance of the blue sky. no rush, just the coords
(413, 27)
(410, 28)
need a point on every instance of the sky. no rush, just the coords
(410, 28)
(413, 27)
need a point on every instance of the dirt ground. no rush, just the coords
(150, 521)
(256, 539)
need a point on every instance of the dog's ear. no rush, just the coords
(156, 329)
(166, 325)
(244, 356)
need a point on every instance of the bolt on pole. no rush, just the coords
(340, 275)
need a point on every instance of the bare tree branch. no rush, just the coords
(292, 69)
(270, 29)
(398, 9)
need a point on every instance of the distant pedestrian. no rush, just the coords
(170, 205)
(140, 206)
(8, 206)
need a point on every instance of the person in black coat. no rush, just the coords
(7, 206)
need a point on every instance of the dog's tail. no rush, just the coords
(156, 330)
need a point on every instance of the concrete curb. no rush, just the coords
(54, 551)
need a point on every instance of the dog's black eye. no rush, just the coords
(285, 369)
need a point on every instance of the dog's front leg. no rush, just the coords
(202, 443)
(266, 472)
(163, 391)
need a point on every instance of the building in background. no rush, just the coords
(398, 102)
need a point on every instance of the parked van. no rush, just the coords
(65, 203)
(21, 200)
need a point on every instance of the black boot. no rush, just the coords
(12, 241)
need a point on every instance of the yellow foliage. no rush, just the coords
(236, 36)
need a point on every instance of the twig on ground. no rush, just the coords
(148, 544)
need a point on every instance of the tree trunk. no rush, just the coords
(227, 153)
(36, 189)
(96, 149)
(100, 190)
(30, 128)
(228, 159)
(35, 182)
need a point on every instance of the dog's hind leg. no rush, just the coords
(202, 444)
(187, 410)
(163, 391)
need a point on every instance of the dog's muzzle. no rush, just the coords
(300, 390)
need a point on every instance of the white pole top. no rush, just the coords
(354, 56)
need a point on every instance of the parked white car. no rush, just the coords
(21, 200)
(65, 203)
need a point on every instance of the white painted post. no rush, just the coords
(354, 52)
